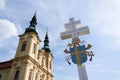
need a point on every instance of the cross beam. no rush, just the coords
(74, 29)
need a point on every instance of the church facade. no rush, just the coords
(29, 63)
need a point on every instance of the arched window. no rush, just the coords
(30, 75)
(34, 48)
(43, 60)
(0, 77)
(50, 64)
(38, 57)
(23, 46)
(16, 75)
(46, 63)
(36, 76)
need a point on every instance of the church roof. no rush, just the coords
(6, 64)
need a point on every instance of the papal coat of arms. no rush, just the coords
(79, 52)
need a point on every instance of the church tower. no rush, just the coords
(30, 63)
(29, 41)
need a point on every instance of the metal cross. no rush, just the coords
(74, 29)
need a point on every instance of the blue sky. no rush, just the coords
(102, 17)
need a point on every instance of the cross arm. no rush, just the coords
(66, 35)
(82, 31)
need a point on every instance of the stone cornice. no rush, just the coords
(32, 34)
(45, 53)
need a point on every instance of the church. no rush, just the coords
(29, 63)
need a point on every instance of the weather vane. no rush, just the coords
(77, 50)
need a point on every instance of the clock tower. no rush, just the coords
(29, 41)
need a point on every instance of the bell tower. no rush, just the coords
(29, 41)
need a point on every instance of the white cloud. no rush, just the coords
(2, 3)
(8, 41)
(7, 29)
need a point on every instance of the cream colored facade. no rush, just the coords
(29, 63)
